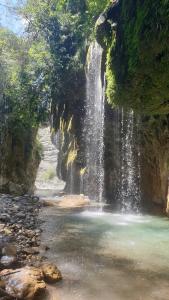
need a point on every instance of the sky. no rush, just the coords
(9, 19)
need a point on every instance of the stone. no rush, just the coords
(7, 231)
(33, 239)
(5, 217)
(32, 250)
(23, 283)
(30, 233)
(2, 227)
(51, 273)
(73, 201)
(17, 199)
(9, 250)
(8, 261)
(35, 198)
(21, 215)
(17, 228)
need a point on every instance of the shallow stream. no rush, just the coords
(107, 256)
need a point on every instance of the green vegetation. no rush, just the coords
(65, 26)
(46, 65)
(23, 83)
(140, 58)
(43, 75)
(110, 76)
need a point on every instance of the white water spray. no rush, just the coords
(94, 125)
(130, 195)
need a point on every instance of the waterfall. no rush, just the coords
(94, 125)
(130, 163)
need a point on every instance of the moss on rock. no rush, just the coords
(139, 60)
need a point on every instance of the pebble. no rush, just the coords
(18, 221)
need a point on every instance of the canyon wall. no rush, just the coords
(133, 35)
(20, 158)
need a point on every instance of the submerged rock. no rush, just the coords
(23, 283)
(51, 273)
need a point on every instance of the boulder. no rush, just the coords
(8, 261)
(23, 283)
(73, 201)
(51, 273)
(4, 217)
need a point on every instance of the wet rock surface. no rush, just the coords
(51, 273)
(23, 283)
(28, 282)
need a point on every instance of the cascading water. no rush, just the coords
(130, 195)
(94, 125)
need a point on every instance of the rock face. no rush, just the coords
(133, 82)
(137, 76)
(153, 146)
(137, 79)
(154, 158)
(68, 123)
(19, 162)
(112, 163)
(23, 283)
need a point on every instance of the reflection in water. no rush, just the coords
(108, 256)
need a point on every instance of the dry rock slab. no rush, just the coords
(23, 283)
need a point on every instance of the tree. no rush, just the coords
(24, 89)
